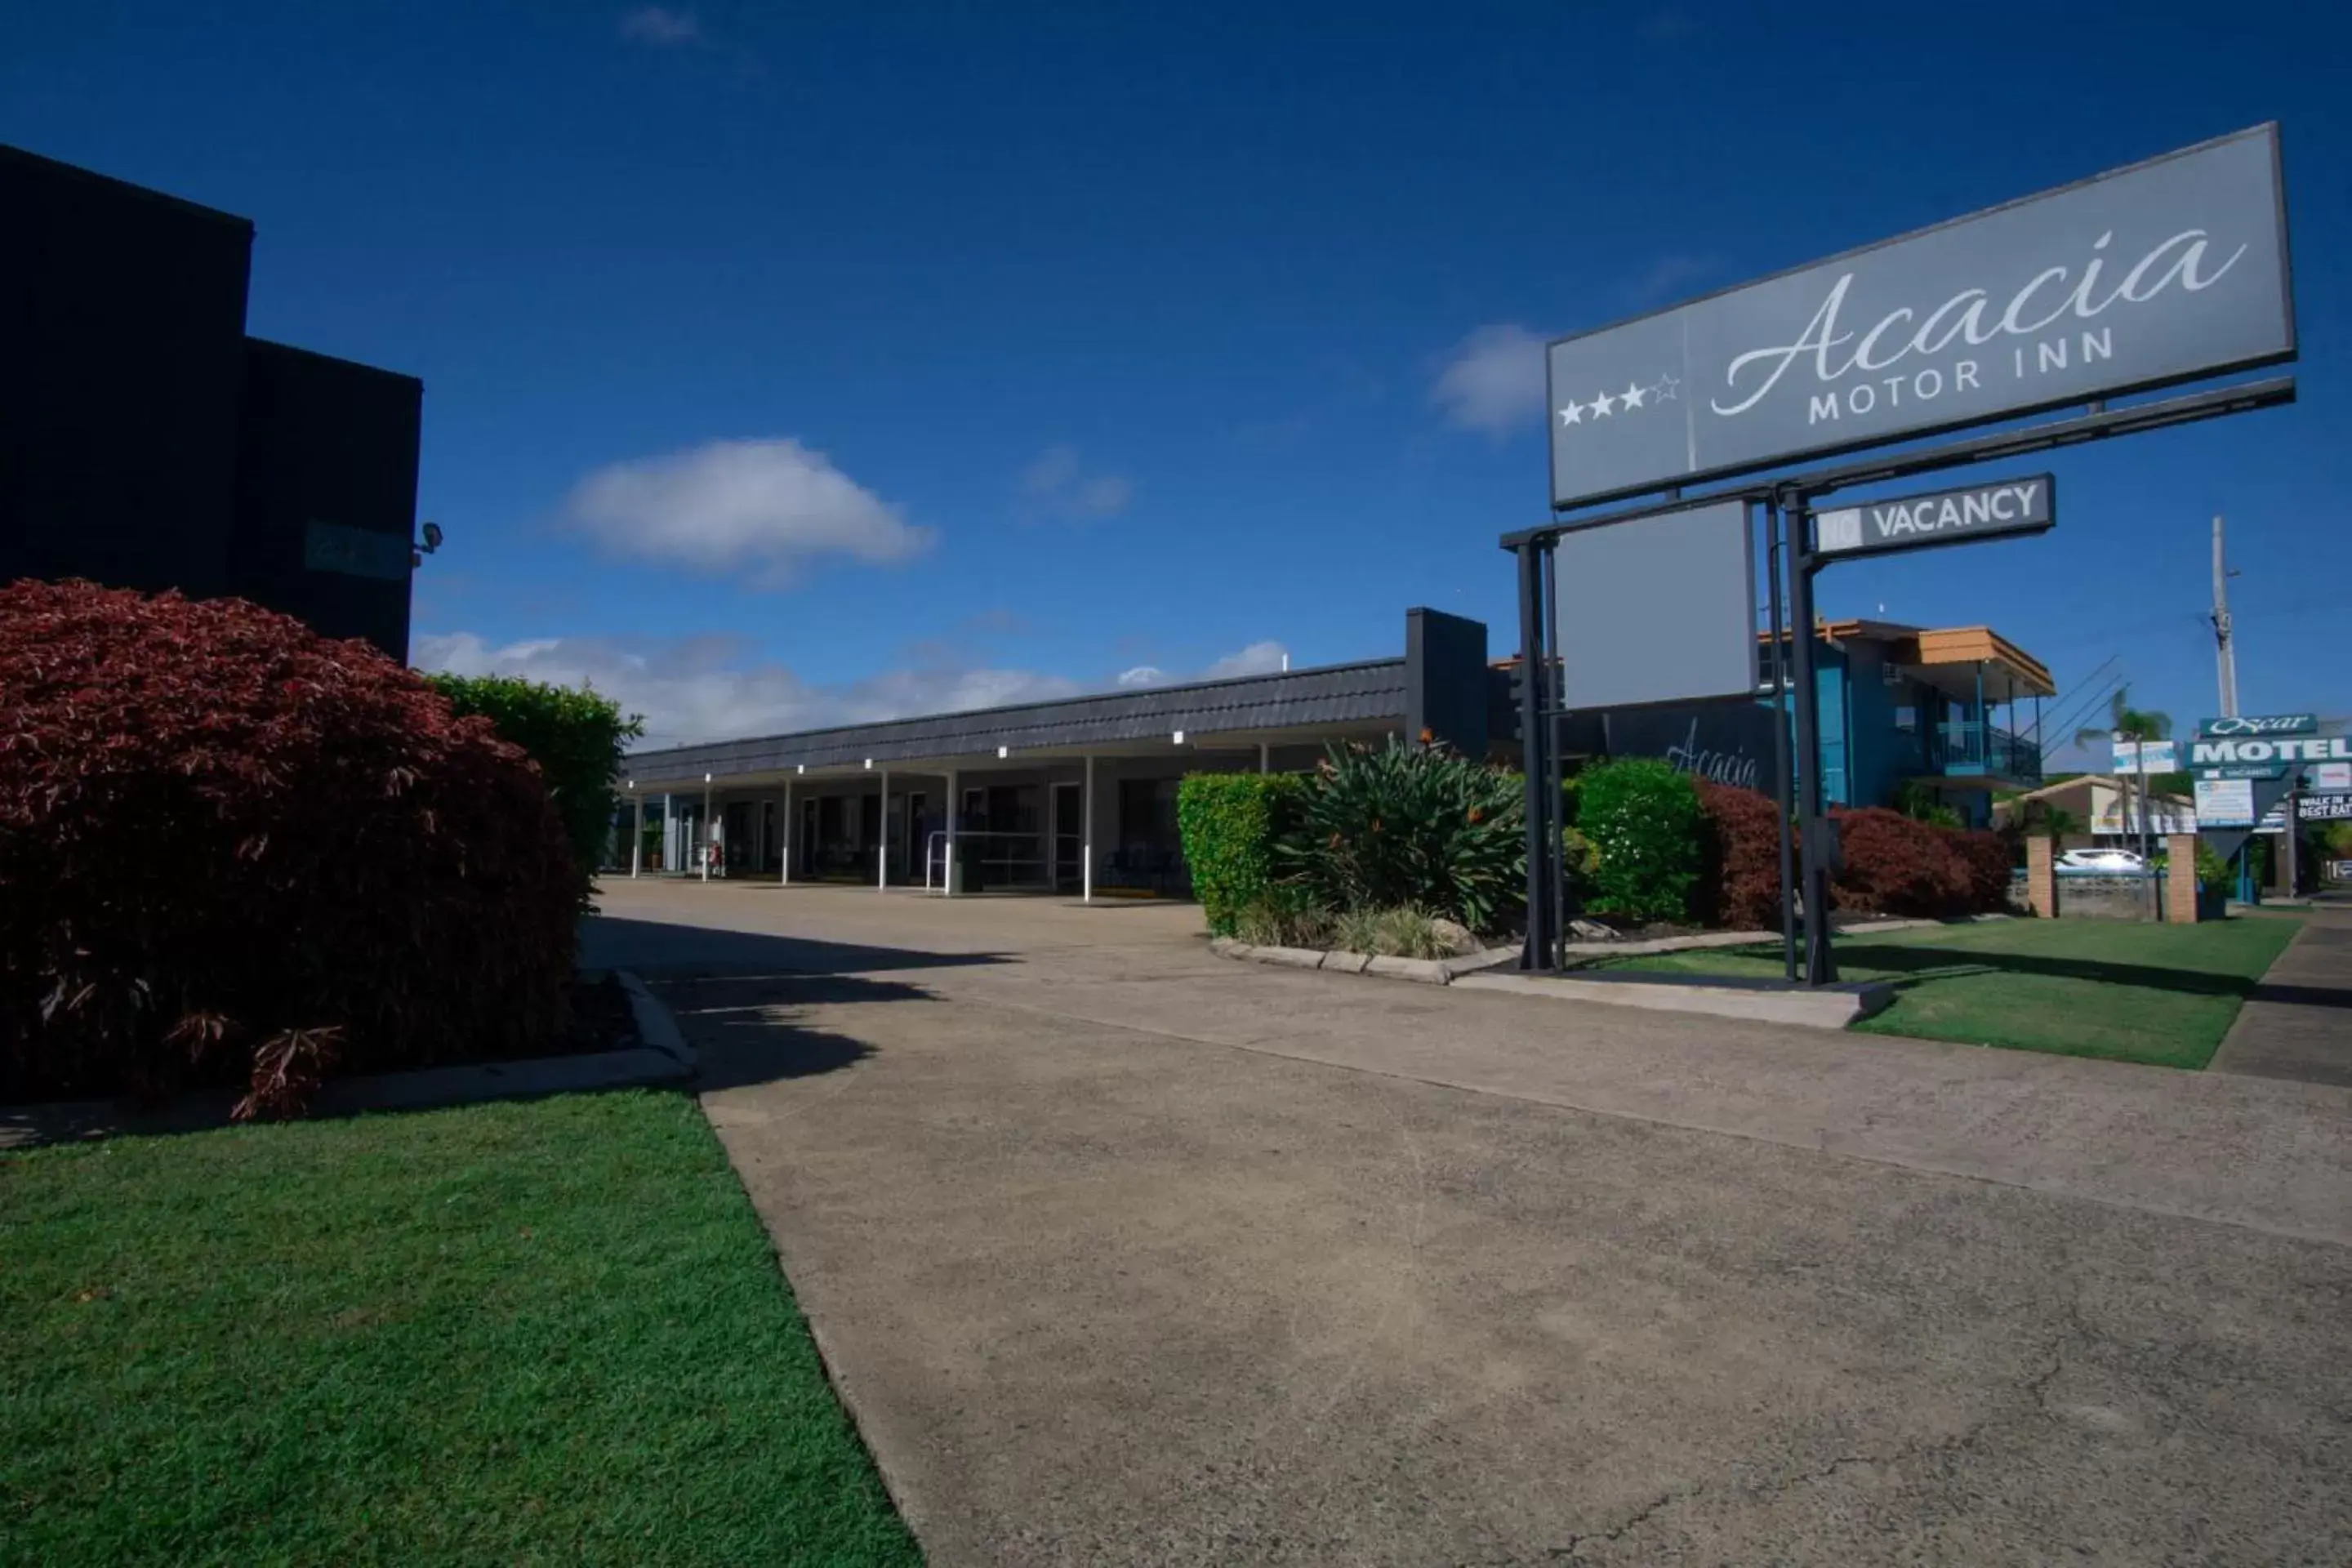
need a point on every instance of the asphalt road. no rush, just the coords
(1121, 1253)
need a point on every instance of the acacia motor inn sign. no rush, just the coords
(2163, 272)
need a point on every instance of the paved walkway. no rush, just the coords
(1121, 1253)
(2298, 1023)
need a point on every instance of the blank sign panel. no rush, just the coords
(1659, 609)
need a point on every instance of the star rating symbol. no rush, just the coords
(1636, 396)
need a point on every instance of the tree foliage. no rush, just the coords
(579, 738)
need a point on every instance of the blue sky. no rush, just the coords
(790, 364)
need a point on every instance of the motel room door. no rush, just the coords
(1069, 835)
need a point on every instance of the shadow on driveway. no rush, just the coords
(1906, 966)
(662, 950)
(750, 1029)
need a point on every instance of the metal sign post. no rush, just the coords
(1819, 966)
(1535, 732)
(1781, 739)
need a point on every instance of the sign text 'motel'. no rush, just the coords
(1938, 517)
(2161, 273)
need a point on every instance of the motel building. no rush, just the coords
(1077, 797)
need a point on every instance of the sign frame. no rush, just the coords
(2286, 353)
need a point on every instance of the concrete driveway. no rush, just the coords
(1121, 1253)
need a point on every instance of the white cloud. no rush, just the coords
(760, 508)
(1493, 380)
(1263, 658)
(663, 27)
(1258, 658)
(1056, 484)
(706, 688)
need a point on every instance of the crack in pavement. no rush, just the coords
(2034, 1389)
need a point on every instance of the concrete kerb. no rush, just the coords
(1831, 1008)
(1428, 971)
(662, 1057)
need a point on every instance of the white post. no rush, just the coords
(637, 844)
(702, 851)
(792, 833)
(882, 838)
(667, 851)
(1265, 757)
(955, 814)
(1086, 835)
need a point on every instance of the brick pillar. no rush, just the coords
(2040, 879)
(2180, 877)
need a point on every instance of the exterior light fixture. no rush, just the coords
(869, 761)
(1179, 737)
(1002, 752)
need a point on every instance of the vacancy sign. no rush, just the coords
(1938, 517)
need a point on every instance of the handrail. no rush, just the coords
(938, 847)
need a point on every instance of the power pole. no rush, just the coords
(2224, 645)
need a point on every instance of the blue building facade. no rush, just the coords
(1954, 713)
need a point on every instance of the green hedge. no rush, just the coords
(1229, 823)
(576, 737)
(1643, 819)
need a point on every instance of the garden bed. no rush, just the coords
(618, 1036)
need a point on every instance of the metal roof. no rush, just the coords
(1334, 694)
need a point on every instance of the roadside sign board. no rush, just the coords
(1937, 517)
(2224, 803)
(2332, 775)
(2324, 808)
(2270, 753)
(2163, 272)
(2153, 756)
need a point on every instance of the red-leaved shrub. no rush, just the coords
(231, 850)
(1739, 878)
(1988, 861)
(1895, 865)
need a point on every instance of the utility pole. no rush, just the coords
(2224, 645)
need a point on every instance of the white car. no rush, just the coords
(2123, 860)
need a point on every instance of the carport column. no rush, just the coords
(702, 850)
(791, 833)
(955, 814)
(1265, 757)
(637, 844)
(1086, 835)
(882, 842)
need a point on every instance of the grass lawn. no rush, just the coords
(2159, 993)
(551, 1331)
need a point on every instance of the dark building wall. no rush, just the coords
(122, 327)
(326, 491)
(1446, 680)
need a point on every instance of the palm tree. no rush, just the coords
(2126, 722)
